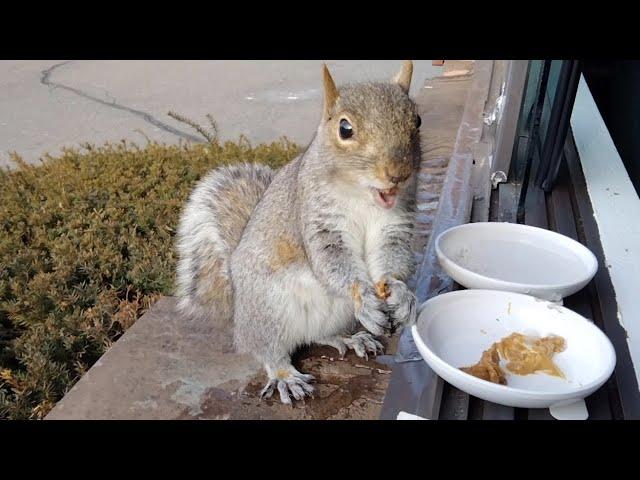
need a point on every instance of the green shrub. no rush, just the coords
(86, 245)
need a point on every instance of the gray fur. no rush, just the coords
(210, 228)
(306, 266)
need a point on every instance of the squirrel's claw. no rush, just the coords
(373, 314)
(267, 391)
(293, 384)
(363, 343)
(284, 393)
(402, 305)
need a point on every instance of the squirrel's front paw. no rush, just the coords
(401, 302)
(371, 311)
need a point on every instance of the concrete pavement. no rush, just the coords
(47, 105)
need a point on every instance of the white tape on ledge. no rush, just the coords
(574, 411)
(409, 416)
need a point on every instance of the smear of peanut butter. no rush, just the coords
(525, 355)
(382, 289)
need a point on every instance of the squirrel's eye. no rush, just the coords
(346, 130)
(418, 121)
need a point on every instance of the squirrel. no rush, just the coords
(303, 254)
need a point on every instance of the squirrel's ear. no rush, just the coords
(330, 92)
(403, 77)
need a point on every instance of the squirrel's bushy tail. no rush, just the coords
(210, 228)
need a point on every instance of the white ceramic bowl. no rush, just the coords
(515, 258)
(454, 329)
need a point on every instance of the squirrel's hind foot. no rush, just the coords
(289, 382)
(362, 343)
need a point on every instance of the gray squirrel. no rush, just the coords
(303, 254)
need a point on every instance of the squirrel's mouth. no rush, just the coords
(385, 198)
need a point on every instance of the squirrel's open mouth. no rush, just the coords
(385, 198)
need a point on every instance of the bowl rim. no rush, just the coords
(593, 268)
(497, 388)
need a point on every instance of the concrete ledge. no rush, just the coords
(166, 368)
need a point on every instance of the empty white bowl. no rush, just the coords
(515, 258)
(454, 329)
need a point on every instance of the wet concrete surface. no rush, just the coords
(166, 368)
(440, 102)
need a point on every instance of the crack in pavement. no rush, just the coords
(45, 79)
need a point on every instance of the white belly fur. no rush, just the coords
(310, 311)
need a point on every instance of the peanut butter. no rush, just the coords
(382, 289)
(525, 355)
